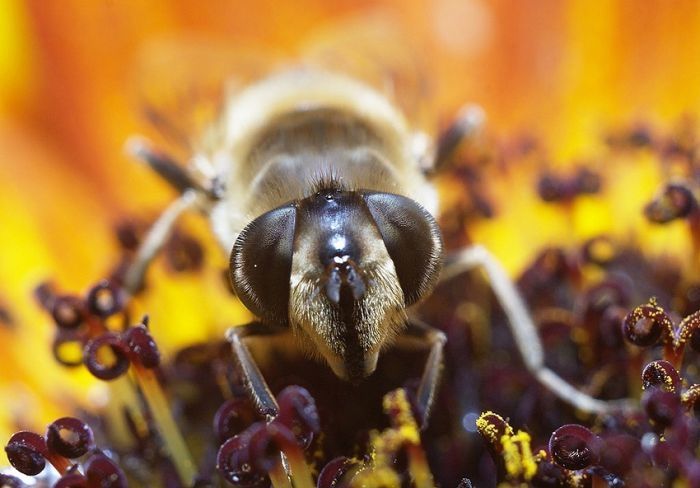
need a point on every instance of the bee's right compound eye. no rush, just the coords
(261, 263)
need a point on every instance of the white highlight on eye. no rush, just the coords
(338, 242)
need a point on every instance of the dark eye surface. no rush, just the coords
(412, 238)
(261, 263)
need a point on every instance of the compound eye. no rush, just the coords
(261, 263)
(412, 238)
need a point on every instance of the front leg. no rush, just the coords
(192, 196)
(255, 382)
(435, 339)
(465, 126)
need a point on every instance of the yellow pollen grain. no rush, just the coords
(687, 326)
(488, 429)
(669, 384)
(406, 424)
(518, 457)
(376, 478)
(576, 478)
(690, 396)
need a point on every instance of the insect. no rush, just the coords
(318, 191)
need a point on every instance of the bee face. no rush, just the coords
(339, 267)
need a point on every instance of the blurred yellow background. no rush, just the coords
(563, 70)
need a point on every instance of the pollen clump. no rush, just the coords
(518, 456)
(396, 405)
(492, 427)
(403, 435)
(514, 450)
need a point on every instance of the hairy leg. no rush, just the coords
(155, 239)
(435, 340)
(466, 125)
(192, 195)
(260, 391)
(523, 327)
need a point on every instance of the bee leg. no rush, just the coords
(436, 339)
(262, 396)
(155, 240)
(523, 328)
(166, 167)
(467, 123)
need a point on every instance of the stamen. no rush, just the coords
(165, 424)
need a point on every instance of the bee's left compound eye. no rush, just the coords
(412, 239)
(261, 263)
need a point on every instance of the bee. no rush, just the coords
(319, 191)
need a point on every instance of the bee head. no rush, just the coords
(339, 267)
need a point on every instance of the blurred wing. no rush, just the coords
(375, 50)
(181, 85)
